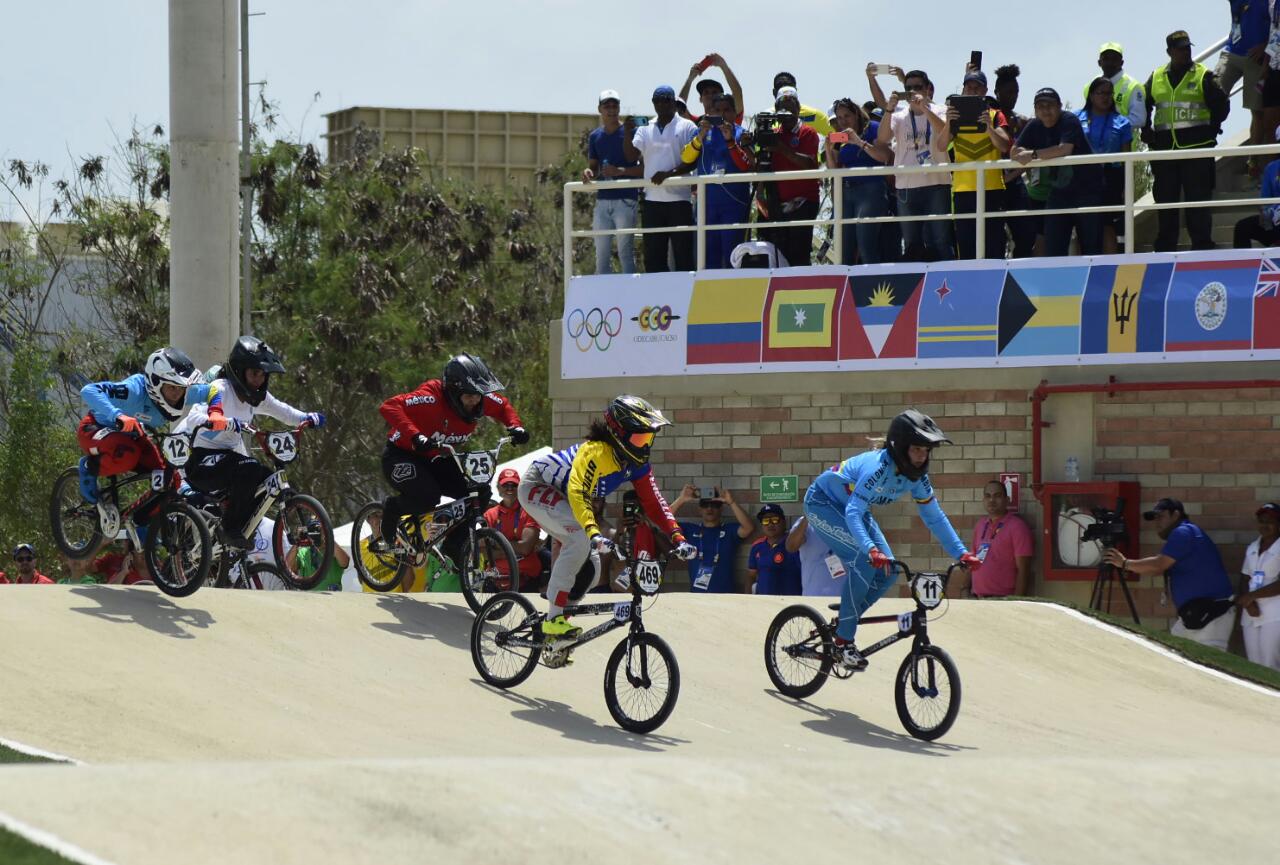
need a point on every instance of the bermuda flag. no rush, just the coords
(1266, 306)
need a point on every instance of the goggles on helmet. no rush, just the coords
(640, 440)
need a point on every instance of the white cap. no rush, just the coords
(787, 91)
(1278, 133)
(609, 94)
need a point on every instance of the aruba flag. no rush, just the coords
(799, 317)
(724, 320)
(1123, 308)
(1210, 306)
(959, 313)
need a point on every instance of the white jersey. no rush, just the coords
(223, 396)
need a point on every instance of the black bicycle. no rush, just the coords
(800, 654)
(488, 561)
(641, 677)
(173, 533)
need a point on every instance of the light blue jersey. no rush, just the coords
(108, 400)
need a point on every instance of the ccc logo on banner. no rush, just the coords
(655, 318)
(595, 327)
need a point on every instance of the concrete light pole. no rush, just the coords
(204, 203)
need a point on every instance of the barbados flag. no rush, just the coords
(799, 317)
(959, 313)
(1123, 309)
(724, 320)
(1040, 311)
(1210, 305)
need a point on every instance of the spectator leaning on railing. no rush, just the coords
(717, 150)
(862, 197)
(1265, 227)
(1108, 132)
(1187, 111)
(1022, 229)
(1129, 95)
(659, 145)
(1053, 134)
(973, 144)
(615, 208)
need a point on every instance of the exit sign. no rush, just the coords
(780, 488)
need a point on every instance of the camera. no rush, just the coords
(1108, 528)
(763, 132)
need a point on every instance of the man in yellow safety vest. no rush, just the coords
(1187, 111)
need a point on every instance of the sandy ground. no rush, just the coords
(282, 727)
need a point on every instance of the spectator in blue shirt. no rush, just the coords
(1246, 58)
(717, 150)
(1108, 132)
(1192, 565)
(615, 208)
(1265, 227)
(713, 569)
(863, 197)
(772, 568)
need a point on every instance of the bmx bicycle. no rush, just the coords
(420, 537)
(800, 655)
(641, 677)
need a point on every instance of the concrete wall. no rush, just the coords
(1208, 447)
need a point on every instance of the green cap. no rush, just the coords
(1111, 46)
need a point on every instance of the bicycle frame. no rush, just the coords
(466, 510)
(160, 482)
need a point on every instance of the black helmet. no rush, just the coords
(629, 420)
(249, 352)
(912, 428)
(466, 373)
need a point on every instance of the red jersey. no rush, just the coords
(804, 140)
(40, 579)
(426, 411)
(512, 522)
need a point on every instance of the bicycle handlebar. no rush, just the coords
(895, 564)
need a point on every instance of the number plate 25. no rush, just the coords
(479, 467)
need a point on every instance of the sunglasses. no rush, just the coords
(770, 520)
(641, 440)
(24, 558)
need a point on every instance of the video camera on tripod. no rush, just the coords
(1108, 528)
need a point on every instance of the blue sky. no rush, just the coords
(75, 71)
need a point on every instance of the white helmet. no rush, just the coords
(169, 366)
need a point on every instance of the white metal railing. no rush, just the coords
(1129, 207)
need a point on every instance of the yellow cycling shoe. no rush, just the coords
(560, 628)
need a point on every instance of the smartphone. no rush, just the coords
(902, 97)
(640, 120)
(883, 68)
(705, 63)
(715, 119)
(838, 137)
(975, 59)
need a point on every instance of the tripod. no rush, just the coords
(1107, 576)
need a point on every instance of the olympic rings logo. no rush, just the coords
(594, 327)
(655, 318)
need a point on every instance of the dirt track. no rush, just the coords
(279, 727)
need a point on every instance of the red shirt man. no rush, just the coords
(516, 526)
(24, 556)
(1004, 543)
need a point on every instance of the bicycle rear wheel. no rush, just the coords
(498, 661)
(178, 549)
(74, 521)
(381, 572)
(302, 516)
(641, 683)
(798, 651)
(927, 692)
(486, 554)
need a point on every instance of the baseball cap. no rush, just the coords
(1111, 46)
(707, 83)
(1177, 39)
(976, 75)
(20, 548)
(1268, 508)
(508, 476)
(771, 509)
(606, 95)
(784, 92)
(1047, 93)
(1164, 505)
(664, 91)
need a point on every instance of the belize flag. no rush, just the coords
(1210, 306)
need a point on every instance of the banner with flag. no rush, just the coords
(1210, 305)
(1040, 311)
(1266, 306)
(1123, 309)
(724, 320)
(878, 318)
(959, 313)
(799, 318)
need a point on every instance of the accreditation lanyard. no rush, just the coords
(993, 535)
(702, 545)
(915, 133)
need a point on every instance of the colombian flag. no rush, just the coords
(724, 320)
(799, 318)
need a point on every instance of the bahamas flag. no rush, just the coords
(1040, 311)
(1210, 305)
(878, 319)
(959, 313)
(1123, 309)
(724, 320)
(799, 317)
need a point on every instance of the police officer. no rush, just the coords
(1187, 111)
(1130, 96)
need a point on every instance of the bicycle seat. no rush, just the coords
(835, 607)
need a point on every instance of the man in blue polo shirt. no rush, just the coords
(771, 566)
(615, 208)
(1197, 581)
(712, 570)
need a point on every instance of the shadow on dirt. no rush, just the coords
(856, 731)
(148, 608)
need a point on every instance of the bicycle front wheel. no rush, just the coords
(927, 693)
(498, 661)
(641, 683)
(381, 572)
(798, 651)
(178, 549)
(303, 522)
(74, 521)
(488, 565)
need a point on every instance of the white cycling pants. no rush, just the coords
(550, 508)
